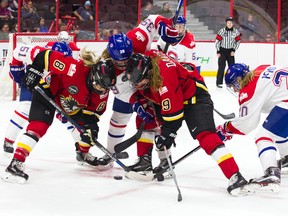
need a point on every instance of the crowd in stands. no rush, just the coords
(79, 16)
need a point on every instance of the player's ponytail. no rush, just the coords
(156, 79)
(89, 58)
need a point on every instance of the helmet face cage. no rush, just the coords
(119, 47)
(63, 36)
(138, 67)
(63, 48)
(233, 72)
(102, 74)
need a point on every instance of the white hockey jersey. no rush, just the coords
(142, 36)
(184, 51)
(268, 88)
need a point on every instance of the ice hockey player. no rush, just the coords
(185, 50)
(23, 55)
(90, 79)
(179, 94)
(262, 91)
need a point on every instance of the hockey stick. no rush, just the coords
(127, 143)
(225, 116)
(171, 171)
(129, 173)
(180, 3)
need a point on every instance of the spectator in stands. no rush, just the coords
(104, 34)
(14, 28)
(269, 38)
(42, 25)
(113, 31)
(83, 35)
(166, 12)
(50, 14)
(62, 26)
(4, 31)
(5, 13)
(84, 13)
(28, 11)
(249, 26)
(282, 37)
(251, 37)
(146, 10)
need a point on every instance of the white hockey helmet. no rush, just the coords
(63, 36)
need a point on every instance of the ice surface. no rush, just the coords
(59, 187)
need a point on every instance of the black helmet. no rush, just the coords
(138, 66)
(103, 73)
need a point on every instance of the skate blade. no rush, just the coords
(143, 177)
(241, 191)
(105, 167)
(84, 164)
(270, 187)
(8, 177)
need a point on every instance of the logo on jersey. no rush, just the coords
(70, 105)
(163, 90)
(59, 65)
(243, 96)
(101, 106)
(73, 89)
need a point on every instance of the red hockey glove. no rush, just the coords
(168, 34)
(223, 133)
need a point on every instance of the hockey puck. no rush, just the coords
(117, 177)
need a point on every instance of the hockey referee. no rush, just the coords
(227, 42)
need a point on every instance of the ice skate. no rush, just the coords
(143, 165)
(105, 163)
(163, 168)
(269, 182)
(85, 159)
(237, 185)
(8, 149)
(15, 172)
(284, 165)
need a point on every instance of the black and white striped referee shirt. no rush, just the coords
(228, 39)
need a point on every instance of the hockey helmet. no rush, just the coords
(101, 77)
(138, 67)
(181, 20)
(63, 36)
(233, 72)
(119, 47)
(63, 48)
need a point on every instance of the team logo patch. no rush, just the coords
(73, 89)
(163, 90)
(59, 65)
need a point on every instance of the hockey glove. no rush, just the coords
(17, 72)
(223, 133)
(90, 134)
(166, 139)
(168, 34)
(32, 77)
(146, 115)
